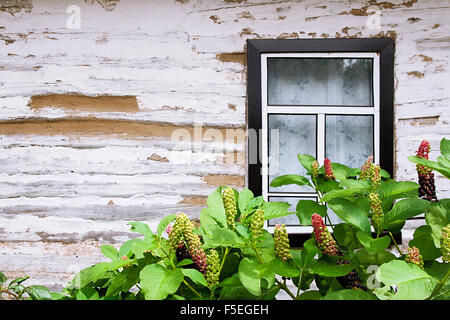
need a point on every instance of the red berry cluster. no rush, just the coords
(329, 175)
(427, 189)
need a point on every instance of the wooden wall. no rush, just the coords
(87, 115)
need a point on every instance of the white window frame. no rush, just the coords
(320, 111)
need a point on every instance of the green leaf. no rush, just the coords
(164, 223)
(437, 218)
(330, 269)
(18, 281)
(109, 252)
(355, 184)
(216, 209)
(285, 269)
(290, 179)
(343, 193)
(306, 208)
(304, 258)
(372, 245)
(306, 160)
(394, 190)
(349, 294)
(351, 213)
(126, 247)
(184, 262)
(38, 292)
(87, 293)
(3, 278)
(412, 282)
(221, 237)
(141, 228)
(445, 148)
(310, 295)
(423, 240)
(365, 258)
(252, 272)
(345, 236)
(340, 171)
(139, 247)
(405, 209)
(275, 209)
(158, 282)
(245, 196)
(122, 282)
(196, 276)
(438, 166)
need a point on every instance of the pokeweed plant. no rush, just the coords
(227, 254)
(373, 208)
(16, 290)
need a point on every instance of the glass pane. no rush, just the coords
(319, 81)
(349, 139)
(290, 135)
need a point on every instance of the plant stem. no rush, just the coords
(283, 286)
(227, 250)
(11, 294)
(319, 194)
(298, 285)
(258, 255)
(395, 243)
(439, 285)
(193, 290)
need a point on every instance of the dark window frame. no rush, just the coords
(385, 47)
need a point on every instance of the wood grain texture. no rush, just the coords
(88, 116)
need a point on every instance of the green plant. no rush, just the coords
(227, 254)
(16, 290)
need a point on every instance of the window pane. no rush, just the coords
(349, 139)
(290, 135)
(319, 81)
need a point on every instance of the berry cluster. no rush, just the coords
(257, 224)
(315, 170)
(213, 269)
(414, 256)
(328, 246)
(282, 247)
(324, 239)
(183, 239)
(229, 202)
(427, 189)
(375, 177)
(445, 243)
(329, 175)
(366, 168)
(376, 212)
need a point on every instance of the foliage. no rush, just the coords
(228, 254)
(16, 290)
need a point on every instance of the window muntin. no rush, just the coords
(364, 115)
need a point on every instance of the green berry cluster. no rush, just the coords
(414, 256)
(445, 243)
(182, 223)
(282, 247)
(315, 170)
(213, 268)
(375, 177)
(376, 212)
(257, 224)
(365, 169)
(229, 202)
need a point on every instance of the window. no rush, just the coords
(330, 98)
